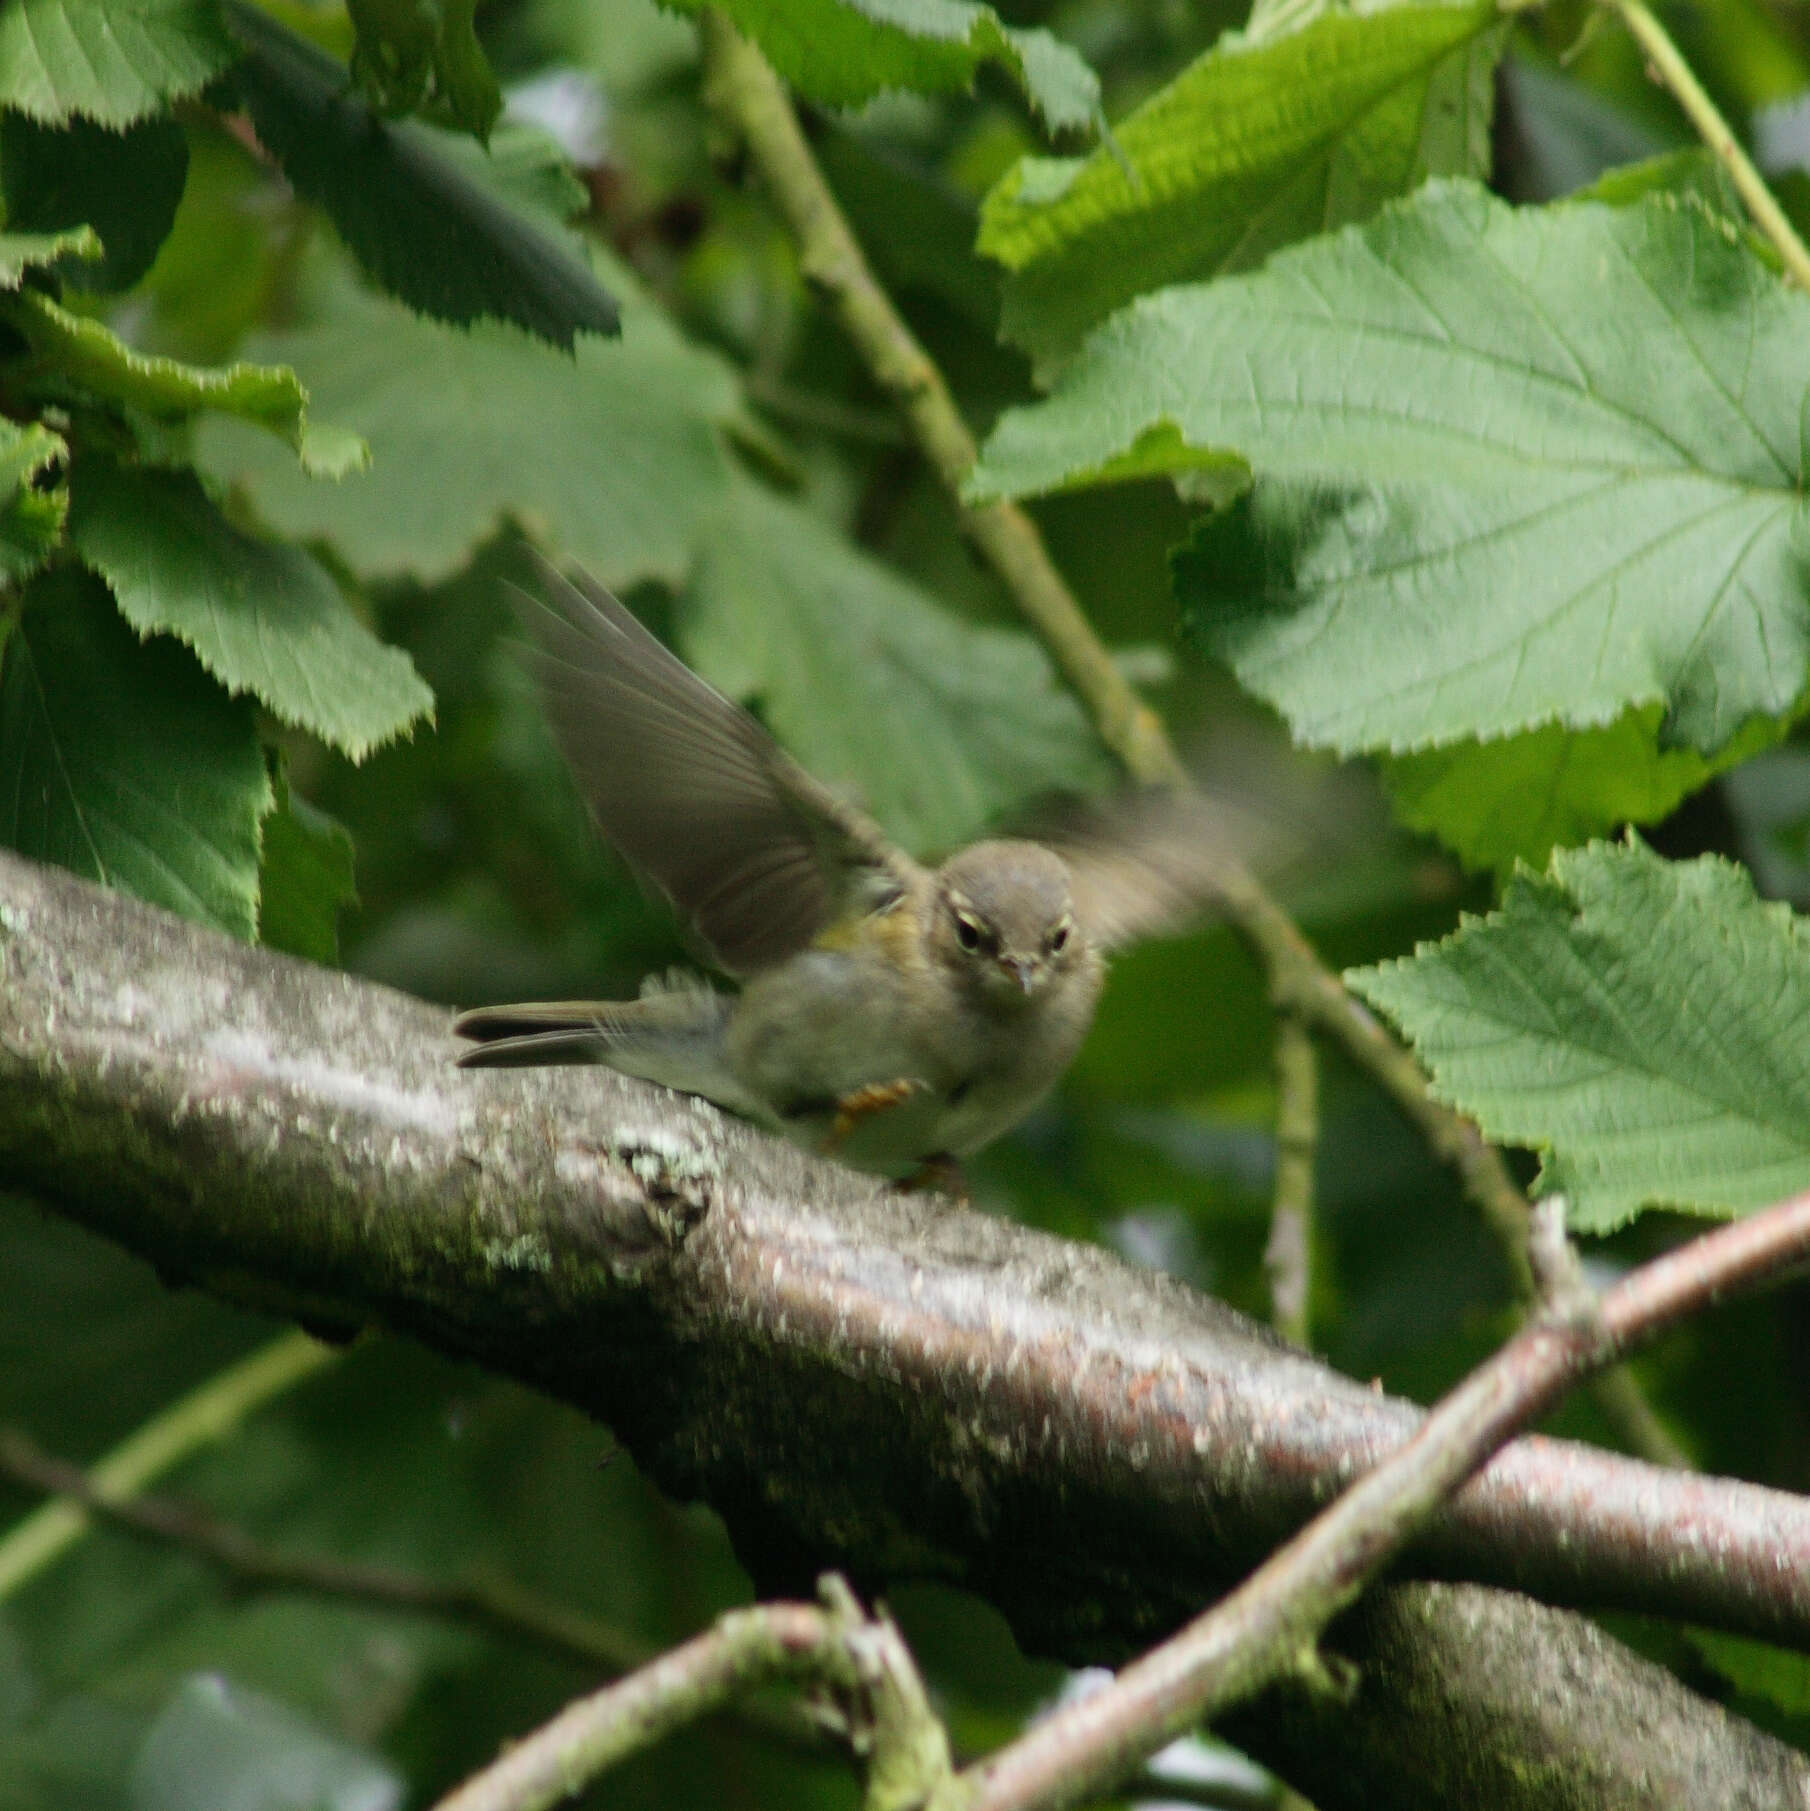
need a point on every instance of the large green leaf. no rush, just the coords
(1263, 140)
(123, 761)
(940, 725)
(263, 616)
(414, 215)
(844, 52)
(1513, 468)
(1638, 1022)
(615, 451)
(83, 351)
(112, 60)
(123, 184)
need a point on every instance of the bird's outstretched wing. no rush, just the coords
(757, 854)
(1151, 863)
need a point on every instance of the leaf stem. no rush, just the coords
(1668, 65)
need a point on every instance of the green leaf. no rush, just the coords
(941, 726)
(113, 60)
(1514, 468)
(1775, 1676)
(1517, 799)
(843, 52)
(85, 352)
(123, 761)
(35, 489)
(413, 215)
(125, 185)
(262, 616)
(20, 252)
(305, 880)
(409, 50)
(1638, 1022)
(614, 451)
(1261, 141)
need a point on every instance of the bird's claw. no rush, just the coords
(863, 1103)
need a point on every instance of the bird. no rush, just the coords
(895, 1015)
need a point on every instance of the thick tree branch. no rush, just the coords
(885, 1384)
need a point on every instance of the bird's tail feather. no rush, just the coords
(673, 1036)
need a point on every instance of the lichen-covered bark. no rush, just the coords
(885, 1384)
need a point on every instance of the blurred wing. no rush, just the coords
(1150, 864)
(755, 852)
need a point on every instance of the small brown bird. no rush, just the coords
(894, 1014)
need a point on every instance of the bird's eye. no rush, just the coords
(968, 932)
(1059, 938)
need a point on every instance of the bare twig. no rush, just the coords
(1269, 1627)
(500, 1610)
(1669, 67)
(1288, 1257)
(859, 1661)
(206, 1415)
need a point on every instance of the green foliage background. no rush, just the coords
(1394, 383)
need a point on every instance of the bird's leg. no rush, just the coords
(939, 1174)
(863, 1103)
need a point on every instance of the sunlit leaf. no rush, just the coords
(1513, 468)
(263, 616)
(1518, 798)
(1262, 140)
(112, 60)
(86, 352)
(1636, 1021)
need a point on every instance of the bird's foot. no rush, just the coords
(939, 1174)
(863, 1103)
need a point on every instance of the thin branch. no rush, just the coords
(205, 1416)
(1669, 66)
(1288, 1257)
(1270, 1626)
(497, 1609)
(860, 1661)
(741, 88)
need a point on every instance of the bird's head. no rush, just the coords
(1004, 919)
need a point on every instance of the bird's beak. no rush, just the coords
(1021, 969)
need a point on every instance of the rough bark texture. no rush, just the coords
(884, 1384)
